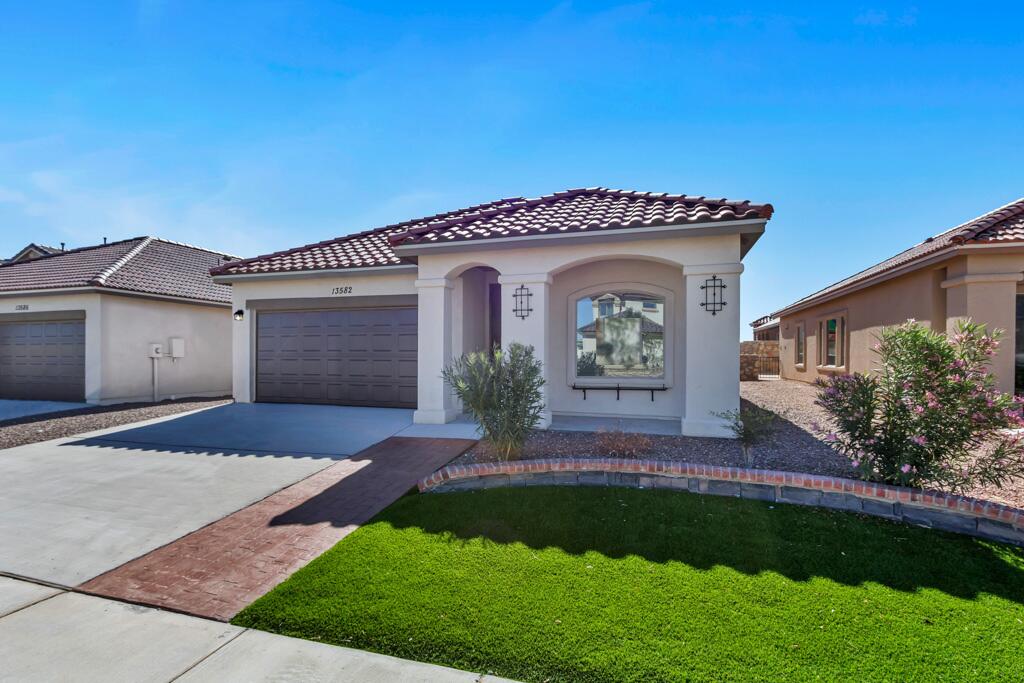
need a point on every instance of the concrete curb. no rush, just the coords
(919, 507)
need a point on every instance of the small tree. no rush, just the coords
(931, 415)
(751, 427)
(501, 389)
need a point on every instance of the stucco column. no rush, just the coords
(94, 366)
(711, 347)
(435, 404)
(243, 334)
(989, 298)
(532, 329)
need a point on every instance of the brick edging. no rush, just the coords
(914, 506)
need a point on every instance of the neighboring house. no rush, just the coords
(34, 251)
(372, 318)
(78, 325)
(766, 328)
(974, 270)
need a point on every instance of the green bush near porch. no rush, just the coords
(602, 584)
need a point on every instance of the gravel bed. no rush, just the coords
(794, 446)
(35, 428)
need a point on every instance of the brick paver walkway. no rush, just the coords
(216, 571)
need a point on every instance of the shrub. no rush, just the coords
(751, 426)
(501, 389)
(931, 415)
(619, 444)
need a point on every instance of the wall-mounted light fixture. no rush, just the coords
(239, 314)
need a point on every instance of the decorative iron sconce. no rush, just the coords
(713, 300)
(239, 314)
(522, 297)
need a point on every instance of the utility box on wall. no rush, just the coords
(177, 347)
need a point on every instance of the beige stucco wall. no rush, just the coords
(981, 285)
(118, 331)
(702, 351)
(703, 356)
(131, 324)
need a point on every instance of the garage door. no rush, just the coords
(360, 357)
(43, 360)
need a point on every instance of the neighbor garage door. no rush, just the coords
(360, 357)
(43, 360)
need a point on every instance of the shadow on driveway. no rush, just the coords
(263, 429)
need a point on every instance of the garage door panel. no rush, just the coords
(358, 342)
(352, 357)
(42, 360)
(407, 342)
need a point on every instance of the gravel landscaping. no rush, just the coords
(35, 428)
(794, 447)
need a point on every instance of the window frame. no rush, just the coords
(669, 335)
(842, 347)
(800, 345)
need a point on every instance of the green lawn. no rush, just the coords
(598, 584)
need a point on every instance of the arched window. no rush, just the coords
(620, 334)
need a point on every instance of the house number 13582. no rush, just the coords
(341, 290)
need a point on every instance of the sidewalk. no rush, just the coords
(47, 634)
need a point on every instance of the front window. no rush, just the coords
(620, 334)
(800, 342)
(830, 332)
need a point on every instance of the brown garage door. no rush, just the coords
(360, 357)
(43, 360)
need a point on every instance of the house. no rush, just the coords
(372, 318)
(34, 251)
(766, 328)
(79, 325)
(974, 270)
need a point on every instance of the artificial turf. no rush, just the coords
(601, 584)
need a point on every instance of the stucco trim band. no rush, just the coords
(980, 278)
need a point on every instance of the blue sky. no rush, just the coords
(256, 127)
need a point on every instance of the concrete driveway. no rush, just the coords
(52, 635)
(72, 509)
(12, 410)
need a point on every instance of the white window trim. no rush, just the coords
(669, 335)
(842, 347)
(800, 363)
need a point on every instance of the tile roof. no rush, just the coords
(147, 265)
(573, 211)
(1003, 225)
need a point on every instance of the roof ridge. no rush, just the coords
(76, 250)
(101, 279)
(766, 210)
(194, 246)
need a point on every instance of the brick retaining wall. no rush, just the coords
(913, 506)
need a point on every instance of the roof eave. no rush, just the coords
(749, 228)
(907, 267)
(228, 278)
(100, 289)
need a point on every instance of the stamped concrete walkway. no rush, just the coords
(217, 570)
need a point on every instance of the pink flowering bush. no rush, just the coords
(931, 416)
